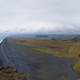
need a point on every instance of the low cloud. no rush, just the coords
(40, 16)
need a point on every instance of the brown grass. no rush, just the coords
(64, 48)
(11, 74)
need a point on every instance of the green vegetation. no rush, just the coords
(76, 67)
(67, 49)
(58, 48)
(52, 51)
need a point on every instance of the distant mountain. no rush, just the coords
(44, 36)
(76, 38)
(48, 36)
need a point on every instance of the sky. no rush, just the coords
(51, 16)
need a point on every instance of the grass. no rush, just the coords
(64, 49)
(68, 49)
(11, 74)
(50, 51)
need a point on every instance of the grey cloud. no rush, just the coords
(20, 13)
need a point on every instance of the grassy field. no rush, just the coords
(56, 48)
(67, 49)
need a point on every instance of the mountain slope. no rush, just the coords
(39, 66)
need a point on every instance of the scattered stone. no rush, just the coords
(9, 73)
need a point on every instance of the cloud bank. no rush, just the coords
(40, 16)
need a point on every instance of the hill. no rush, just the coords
(41, 59)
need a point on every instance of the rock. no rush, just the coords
(9, 73)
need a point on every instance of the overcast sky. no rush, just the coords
(40, 15)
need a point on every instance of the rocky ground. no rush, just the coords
(9, 73)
